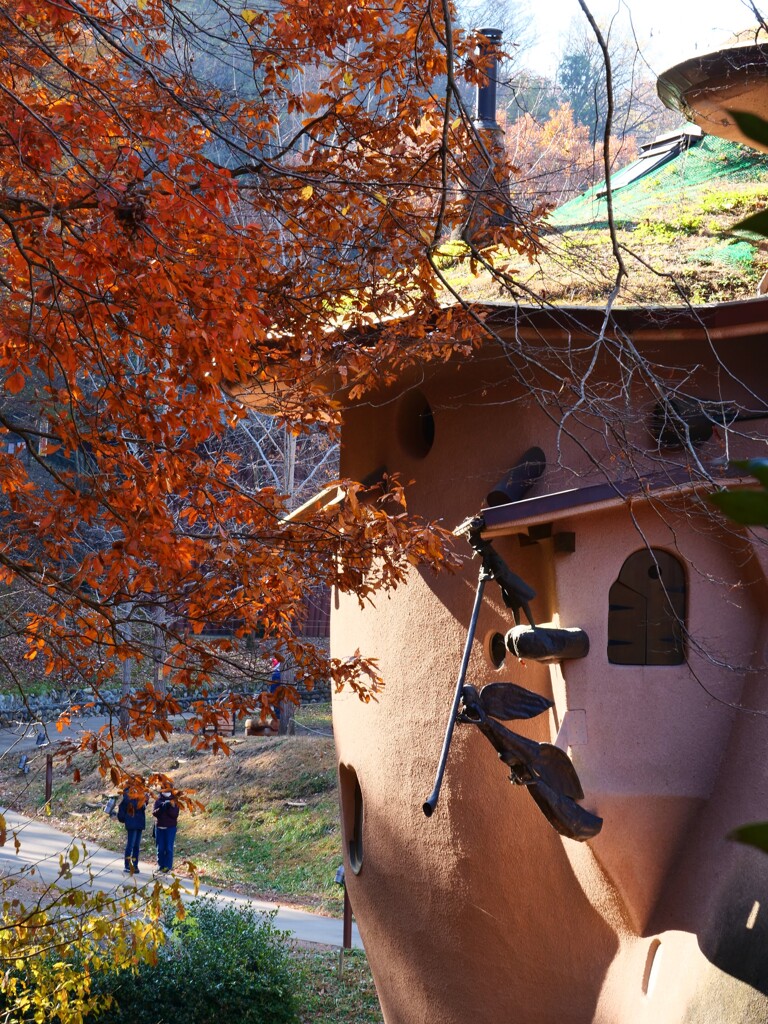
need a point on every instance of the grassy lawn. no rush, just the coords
(329, 996)
(280, 851)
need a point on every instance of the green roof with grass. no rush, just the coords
(675, 209)
(697, 178)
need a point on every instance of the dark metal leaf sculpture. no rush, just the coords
(564, 814)
(545, 770)
(507, 700)
(547, 762)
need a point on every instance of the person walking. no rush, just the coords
(166, 815)
(132, 814)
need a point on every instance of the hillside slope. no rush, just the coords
(270, 825)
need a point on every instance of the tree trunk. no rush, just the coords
(158, 648)
(126, 672)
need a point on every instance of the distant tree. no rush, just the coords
(581, 79)
(515, 21)
(555, 127)
(582, 82)
(297, 464)
(556, 159)
(532, 94)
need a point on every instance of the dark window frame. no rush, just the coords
(647, 610)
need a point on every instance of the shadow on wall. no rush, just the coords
(736, 936)
(442, 924)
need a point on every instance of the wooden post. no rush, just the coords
(48, 777)
(158, 650)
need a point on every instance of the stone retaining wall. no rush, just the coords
(47, 707)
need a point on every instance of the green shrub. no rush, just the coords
(218, 964)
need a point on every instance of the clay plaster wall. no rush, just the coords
(483, 912)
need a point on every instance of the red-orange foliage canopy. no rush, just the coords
(171, 233)
(556, 157)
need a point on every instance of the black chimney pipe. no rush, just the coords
(486, 94)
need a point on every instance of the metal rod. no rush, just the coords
(431, 802)
(486, 92)
(347, 931)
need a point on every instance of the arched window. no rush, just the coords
(647, 611)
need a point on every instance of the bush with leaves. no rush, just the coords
(218, 963)
(56, 939)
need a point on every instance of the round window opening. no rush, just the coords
(495, 649)
(416, 424)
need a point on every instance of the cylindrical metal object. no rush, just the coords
(681, 422)
(431, 802)
(546, 643)
(486, 93)
(515, 484)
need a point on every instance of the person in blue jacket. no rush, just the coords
(166, 813)
(275, 682)
(131, 813)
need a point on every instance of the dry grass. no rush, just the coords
(581, 270)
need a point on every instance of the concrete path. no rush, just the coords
(42, 846)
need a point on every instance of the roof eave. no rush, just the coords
(705, 89)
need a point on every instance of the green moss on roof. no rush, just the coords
(690, 180)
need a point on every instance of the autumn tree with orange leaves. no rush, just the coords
(186, 231)
(556, 159)
(204, 209)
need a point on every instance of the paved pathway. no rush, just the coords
(41, 847)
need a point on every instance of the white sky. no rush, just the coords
(669, 31)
